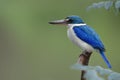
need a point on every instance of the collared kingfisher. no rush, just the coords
(83, 35)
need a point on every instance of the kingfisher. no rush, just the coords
(83, 36)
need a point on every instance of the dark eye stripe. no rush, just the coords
(70, 21)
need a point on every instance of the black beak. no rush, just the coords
(64, 21)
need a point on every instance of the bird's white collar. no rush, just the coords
(72, 25)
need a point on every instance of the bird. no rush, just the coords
(83, 35)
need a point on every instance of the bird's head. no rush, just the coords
(69, 20)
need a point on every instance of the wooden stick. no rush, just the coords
(84, 60)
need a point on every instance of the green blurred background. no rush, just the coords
(32, 49)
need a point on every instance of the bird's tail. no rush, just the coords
(105, 59)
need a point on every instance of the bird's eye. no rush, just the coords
(70, 21)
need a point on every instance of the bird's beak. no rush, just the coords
(64, 21)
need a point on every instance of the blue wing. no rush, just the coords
(88, 35)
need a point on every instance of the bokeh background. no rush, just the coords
(32, 49)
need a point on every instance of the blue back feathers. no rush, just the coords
(88, 35)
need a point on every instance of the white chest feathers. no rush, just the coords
(72, 36)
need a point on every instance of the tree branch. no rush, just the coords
(84, 60)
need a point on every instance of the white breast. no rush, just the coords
(72, 36)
